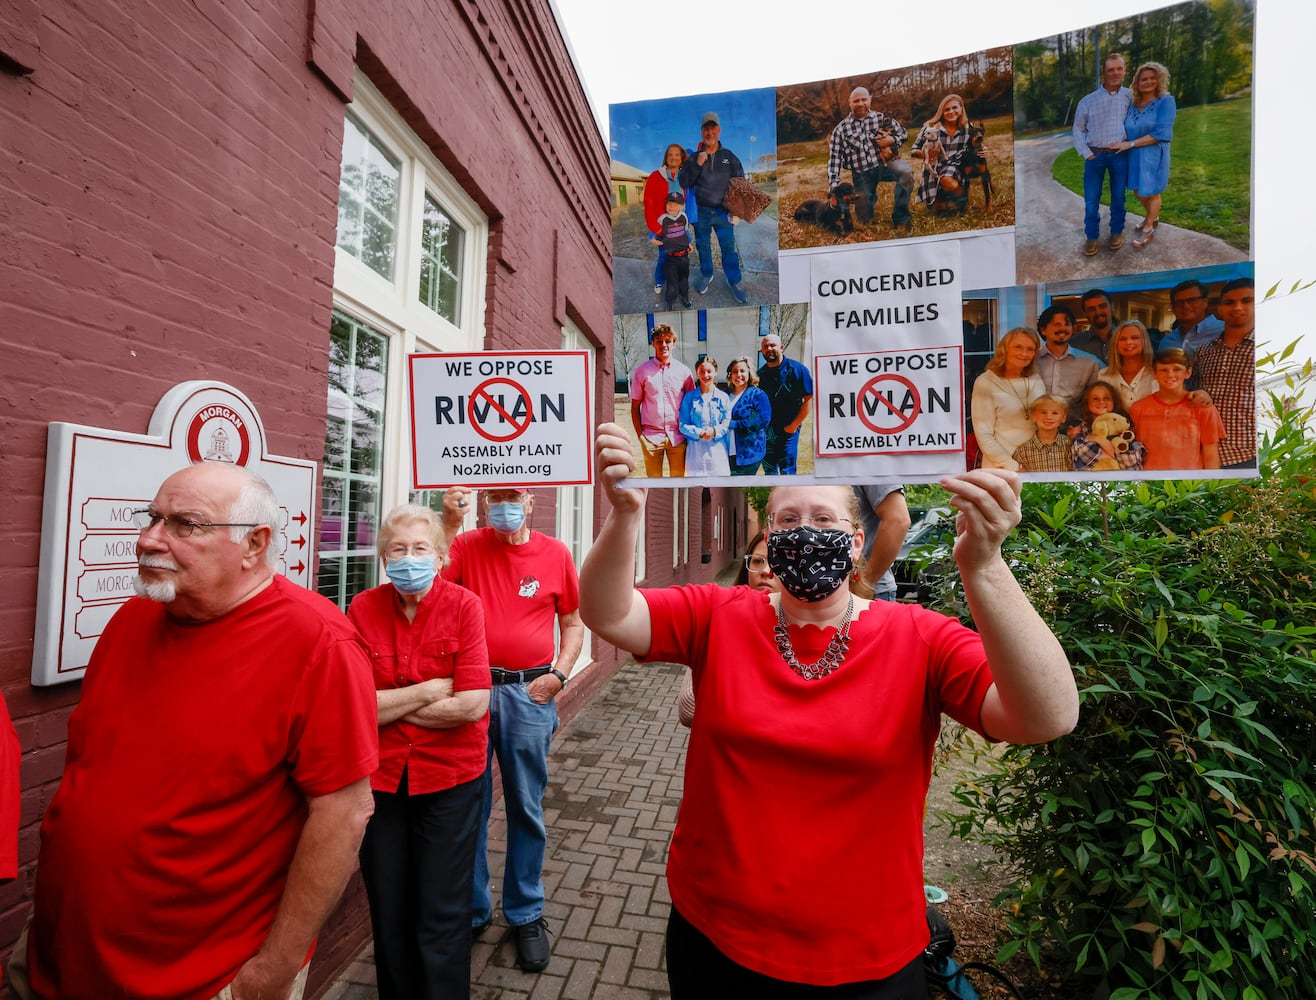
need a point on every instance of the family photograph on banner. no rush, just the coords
(910, 152)
(1065, 240)
(694, 220)
(1133, 144)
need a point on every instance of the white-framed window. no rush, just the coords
(409, 277)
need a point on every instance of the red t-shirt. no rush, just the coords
(799, 843)
(190, 758)
(523, 589)
(11, 808)
(445, 640)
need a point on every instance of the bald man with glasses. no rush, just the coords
(216, 785)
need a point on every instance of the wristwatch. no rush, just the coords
(559, 675)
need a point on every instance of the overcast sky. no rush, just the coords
(628, 53)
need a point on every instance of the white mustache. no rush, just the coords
(156, 562)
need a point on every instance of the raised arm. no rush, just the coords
(609, 602)
(1034, 697)
(457, 503)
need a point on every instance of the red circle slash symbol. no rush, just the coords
(873, 388)
(482, 397)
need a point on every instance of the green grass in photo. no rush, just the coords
(1210, 187)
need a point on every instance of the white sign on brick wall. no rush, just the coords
(96, 477)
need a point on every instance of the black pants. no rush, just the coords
(418, 860)
(696, 970)
(677, 271)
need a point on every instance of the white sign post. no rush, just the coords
(96, 478)
(496, 418)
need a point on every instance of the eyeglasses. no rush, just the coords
(1183, 300)
(756, 564)
(788, 519)
(401, 551)
(179, 527)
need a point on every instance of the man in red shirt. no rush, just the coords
(216, 785)
(527, 584)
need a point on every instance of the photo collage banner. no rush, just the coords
(1035, 257)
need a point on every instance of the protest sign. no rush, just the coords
(500, 419)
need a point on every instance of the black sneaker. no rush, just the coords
(532, 951)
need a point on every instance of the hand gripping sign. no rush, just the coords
(496, 418)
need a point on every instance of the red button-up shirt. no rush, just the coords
(445, 640)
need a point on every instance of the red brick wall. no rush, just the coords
(168, 194)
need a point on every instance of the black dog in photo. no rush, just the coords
(832, 213)
(974, 164)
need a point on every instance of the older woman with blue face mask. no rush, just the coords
(431, 671)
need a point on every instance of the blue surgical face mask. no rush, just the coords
(506, 517)
(411, 574)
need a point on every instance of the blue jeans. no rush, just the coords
(779, 459)
(660, 269)
(712, 220)
(519, 733)
(1094, 175)
(866, 181)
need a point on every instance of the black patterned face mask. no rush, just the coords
(810, 562)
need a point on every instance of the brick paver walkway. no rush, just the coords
(615, 778)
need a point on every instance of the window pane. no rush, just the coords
(369, 188)
(335, 442)
(441, 242)
(354, 443)
(364, 506)
(367, 443)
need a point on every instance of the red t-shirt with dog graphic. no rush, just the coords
(523, 589)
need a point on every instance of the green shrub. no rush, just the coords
(1166, 847)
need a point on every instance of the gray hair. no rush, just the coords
(256, 504)
(410, 513)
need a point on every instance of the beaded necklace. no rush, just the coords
(832, 656)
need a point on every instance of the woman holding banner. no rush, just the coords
(1001, 399)
(818, 713)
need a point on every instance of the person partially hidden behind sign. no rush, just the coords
(527, 584)
(657, 388)
(431, 667)
(1002, 396)
(818, 712)
(706, 424)
(217, 782)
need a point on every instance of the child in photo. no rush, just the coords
(1178, 433)
(1048, 449)
(1115, 449)
(706, 424)
(674, 240)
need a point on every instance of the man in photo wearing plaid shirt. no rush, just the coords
(1226, 368)
(867, 143)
